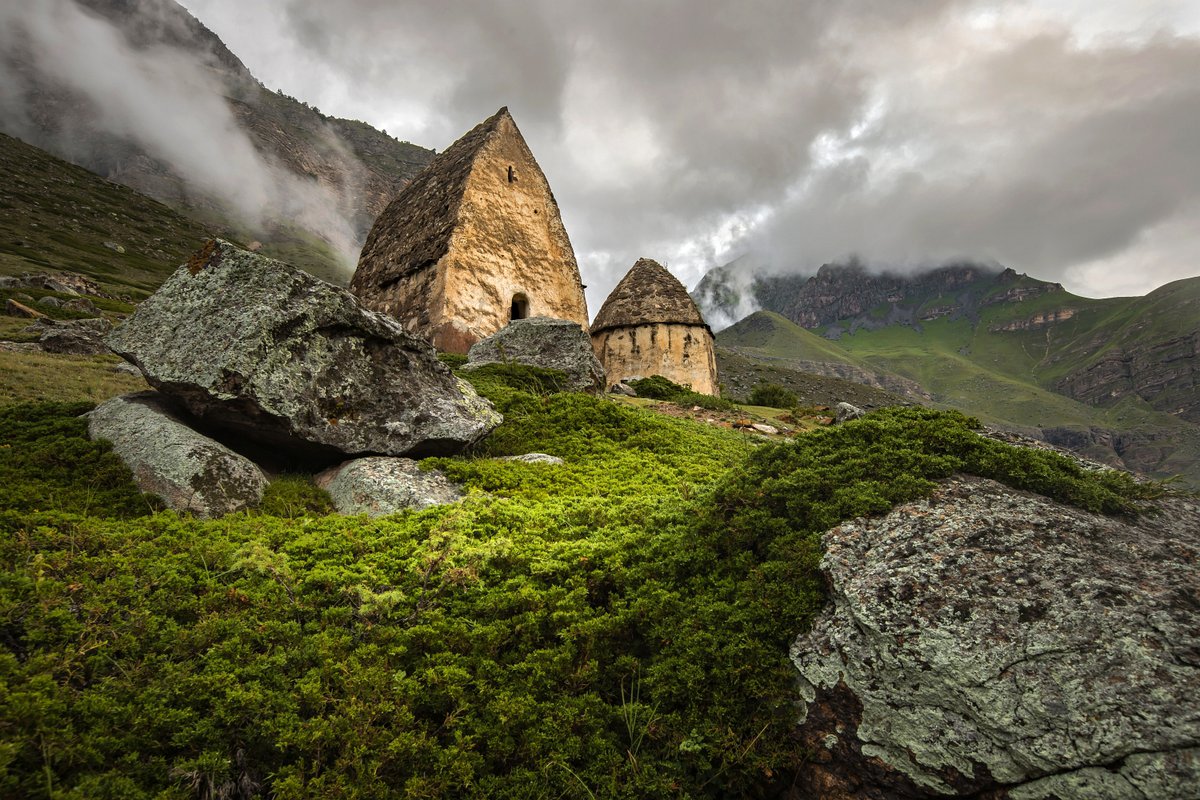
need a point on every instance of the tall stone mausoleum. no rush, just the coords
(649, 325)
(472, 243)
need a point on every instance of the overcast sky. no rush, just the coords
(1052, 137)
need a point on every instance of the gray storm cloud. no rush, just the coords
(1043, 135)
(166, 99)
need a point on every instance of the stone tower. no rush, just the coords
(650, 326)
(472, 243)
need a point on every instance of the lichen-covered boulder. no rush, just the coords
(378, 485)
(75, 337)
(189, 471)
(993, 643)
(846, 412)
(543, 342)
(266, 351)
(534, 458)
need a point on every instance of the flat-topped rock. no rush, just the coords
(259, 349)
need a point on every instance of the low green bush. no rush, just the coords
(292, 496)
(48, 463)
(656, 387)
(772, 395)
(616, 626)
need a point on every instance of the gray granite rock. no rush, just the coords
(534, 458)
(846, 412)
(263, 350)
(543, 342)
(379, 485)
(189, 471)
(75, 336)
(989, 642)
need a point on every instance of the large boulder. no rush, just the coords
(543, 342)
(992, 643)
(189, 471)
(262, 350)
(75, 337)
(377, 486)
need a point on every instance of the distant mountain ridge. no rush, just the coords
(324, 180)
(1117, 378)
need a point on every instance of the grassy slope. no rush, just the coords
(57, 216)
(614, 627)
(1005, 377)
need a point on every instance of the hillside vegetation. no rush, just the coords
(614, 627)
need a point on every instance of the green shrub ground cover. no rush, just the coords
(616, 627)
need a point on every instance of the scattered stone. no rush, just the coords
(189, 471)
(83, 337)
(127, 369)
(262, 350)
(762, 427)
(534, 458)
(81, 305)
(50, 301)
(379, 485)
(992, 643)
(115, 247)
(622, 388)
(20, 347)
(846, 412)
(543, 342)
(13, 308)
(254, 246)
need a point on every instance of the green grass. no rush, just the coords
(614, 627)
(28, 377)
(56, 216)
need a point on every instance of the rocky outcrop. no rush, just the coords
(189, 471)
(15, 308)
(1164, 373)
(991, 643)
(74, 337)
(264, 351)
(378, 486)
(1036, 321)
(543, 342)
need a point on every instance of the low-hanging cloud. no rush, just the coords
(170, 101)
(1046, 136)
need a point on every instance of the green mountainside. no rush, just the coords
(1115, 379)
(318, 181)
(57, 216)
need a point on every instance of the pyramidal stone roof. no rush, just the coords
(414, 231)
(648, 294)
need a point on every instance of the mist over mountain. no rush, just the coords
(142, 93)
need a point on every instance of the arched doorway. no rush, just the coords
(520, 307)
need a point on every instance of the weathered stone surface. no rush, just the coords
(989, 642)
(534, 458)
(380, 485)
(649, 326)
(474, 238)
(622, 388)
(845, 412)
(543, 342)
(764, 428)
(261, 349)
(189, 471)
(75, 337)
(13, 308)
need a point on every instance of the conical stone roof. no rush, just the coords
(648, 294)
(414, 231)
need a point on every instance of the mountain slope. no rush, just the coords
(57, 216)
(179, 118)
(1114, 378)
